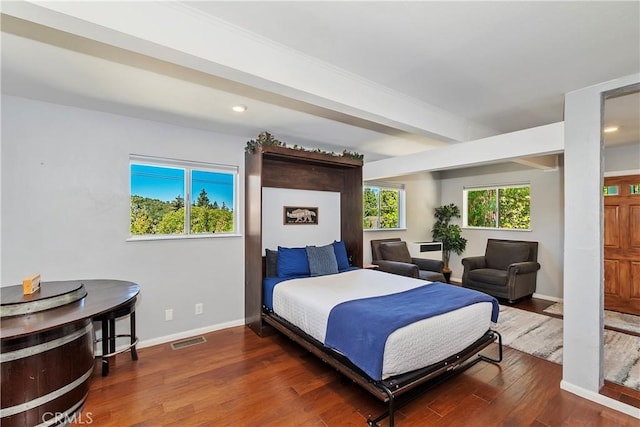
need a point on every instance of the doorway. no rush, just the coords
(621, 221)
(622, 244)
(621, 204)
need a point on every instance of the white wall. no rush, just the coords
(65, 212)
(546, 217)
(623, 158)
(422, 191)
(275, 233)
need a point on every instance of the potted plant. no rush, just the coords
(449, 234)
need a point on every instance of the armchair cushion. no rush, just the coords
(489, 275)
(432, 276)
(395, 267)
(499, 255)
(434, 265)
(395, 251)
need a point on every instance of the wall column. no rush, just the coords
(582, 369)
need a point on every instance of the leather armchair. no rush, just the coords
(508, 269)
(392, 256)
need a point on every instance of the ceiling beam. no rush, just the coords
(539, 141)
(549, 162)
(179, 34)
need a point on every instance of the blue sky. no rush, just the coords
(165, 183)
(219, 186)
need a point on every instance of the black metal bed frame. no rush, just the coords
(407, 386)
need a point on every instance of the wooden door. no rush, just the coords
(622, 244)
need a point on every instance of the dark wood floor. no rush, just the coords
(239, 379)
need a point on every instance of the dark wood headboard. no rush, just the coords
(289, 168)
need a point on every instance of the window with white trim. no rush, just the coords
(502, 207)
(178, 198)
(384, 206)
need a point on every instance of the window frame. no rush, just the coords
(188, 166)
(496, 188)
(381, 186)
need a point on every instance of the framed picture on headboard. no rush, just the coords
(300, 215)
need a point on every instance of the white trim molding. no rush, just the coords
(190, 333)
(600, 399)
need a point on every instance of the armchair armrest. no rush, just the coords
(474, 262)
(523, 267)
(428, 264)
(395, 267)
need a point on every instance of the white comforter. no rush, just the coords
(307, 303)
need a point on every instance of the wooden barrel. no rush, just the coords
(45, 375)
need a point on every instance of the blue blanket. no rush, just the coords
(359, 328)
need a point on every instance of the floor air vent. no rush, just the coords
(187, 342)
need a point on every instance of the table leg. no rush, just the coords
(105, 347)
(112, 335)
(134, 353)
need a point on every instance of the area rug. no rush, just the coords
(613, 319)
(541, 336)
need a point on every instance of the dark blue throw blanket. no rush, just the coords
(359, 328)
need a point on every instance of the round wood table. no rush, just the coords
(47, 346)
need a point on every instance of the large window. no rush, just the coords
(383, 207)
(506, 207)
(170, 197)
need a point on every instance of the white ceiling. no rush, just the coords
(498, 66)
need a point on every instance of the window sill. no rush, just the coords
(182, 237)
(497, 229)
(384, 229)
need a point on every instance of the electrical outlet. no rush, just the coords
(199, 308)
(168, 314)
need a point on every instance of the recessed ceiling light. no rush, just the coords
(239, 108)
(610, 129)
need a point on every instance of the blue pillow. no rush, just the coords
(322, 260)
(292, 262)
(341, 255)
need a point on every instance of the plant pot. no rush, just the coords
(447, 276)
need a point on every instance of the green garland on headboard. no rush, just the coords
(265, 138)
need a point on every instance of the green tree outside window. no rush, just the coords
(382, 207)
(156, 211)
(499, 207)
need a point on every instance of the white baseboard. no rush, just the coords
(190, 333)
(602, 400)
(547, 297)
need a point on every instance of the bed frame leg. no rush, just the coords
(392, 404)
(389, 413)
(499, 359)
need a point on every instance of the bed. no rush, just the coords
(269, 166)
(334, 317)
